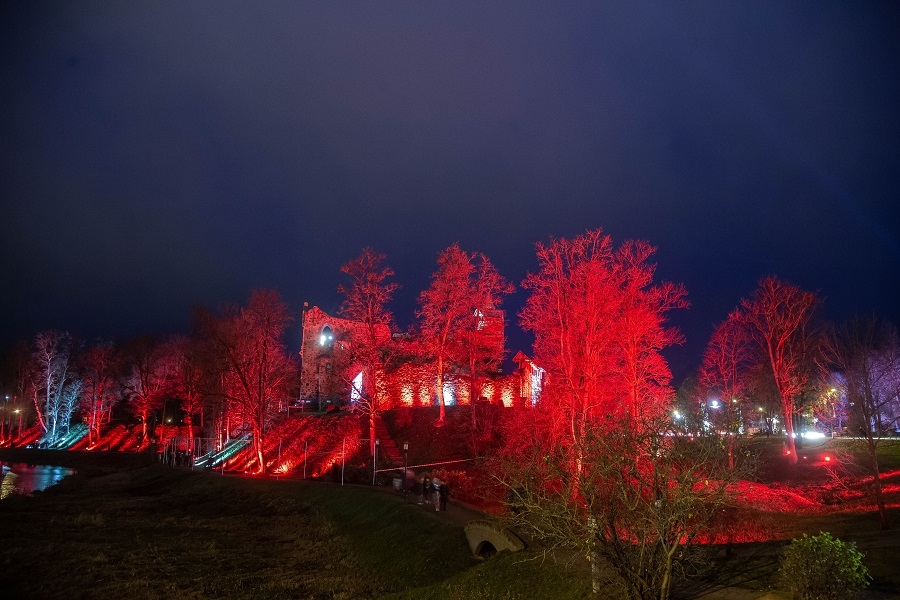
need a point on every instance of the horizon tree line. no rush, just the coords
(233, 368)
(597, 465)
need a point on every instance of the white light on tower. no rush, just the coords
(356, 388)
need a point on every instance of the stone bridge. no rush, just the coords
(485, 538)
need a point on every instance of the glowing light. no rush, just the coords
(406, 394)
(714, 404)
(537, 376)
(356, 388)
(479, 316)
(449, 394)
(284, 468)
(812, 435)
(326, 338)
(827, 459)
(507, 397)
(462, 395)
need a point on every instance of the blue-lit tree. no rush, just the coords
(55, 394)
(867, 352)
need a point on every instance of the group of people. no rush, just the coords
(432, 491)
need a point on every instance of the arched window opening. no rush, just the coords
(326, 338)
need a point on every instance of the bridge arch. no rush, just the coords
(485, 538)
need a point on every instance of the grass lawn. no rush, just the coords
(130, 531)
(122, 528)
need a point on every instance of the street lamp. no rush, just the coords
(19, 412)
(405, 462)
(375, 460)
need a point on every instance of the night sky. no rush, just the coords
(157, 155)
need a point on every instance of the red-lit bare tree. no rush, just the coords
(256, 372)
(98, 369)
(481, 351)
(451, 317)
(726, 361)
(365, 301)
(641, 496)
(641, 331)
(599, 325)
(778, 316)
(571, 310)
(19, 376)
(191, 369)
(866, 351)
(147, 375)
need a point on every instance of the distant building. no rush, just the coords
(531, 378)
(329, 376)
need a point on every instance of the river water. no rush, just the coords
(20, 478)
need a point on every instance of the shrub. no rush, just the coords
(462, 487)
(823, 568)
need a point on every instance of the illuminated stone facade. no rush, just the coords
(325, 351)
(328, 372)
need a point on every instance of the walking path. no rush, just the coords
(457, 512)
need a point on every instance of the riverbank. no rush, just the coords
(80, 460)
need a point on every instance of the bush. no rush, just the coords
(823, 568)
(462, 486)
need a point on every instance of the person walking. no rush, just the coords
(426, 490)
(419, 489)
(444, 493)
(436, 494)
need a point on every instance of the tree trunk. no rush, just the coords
(729, 441)
(258, 443)
(595, 571)
(472, 407)
(879, 495)
(440, 388)
(594, 556)
(40, 414)
(789, 428)
(191, 434)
